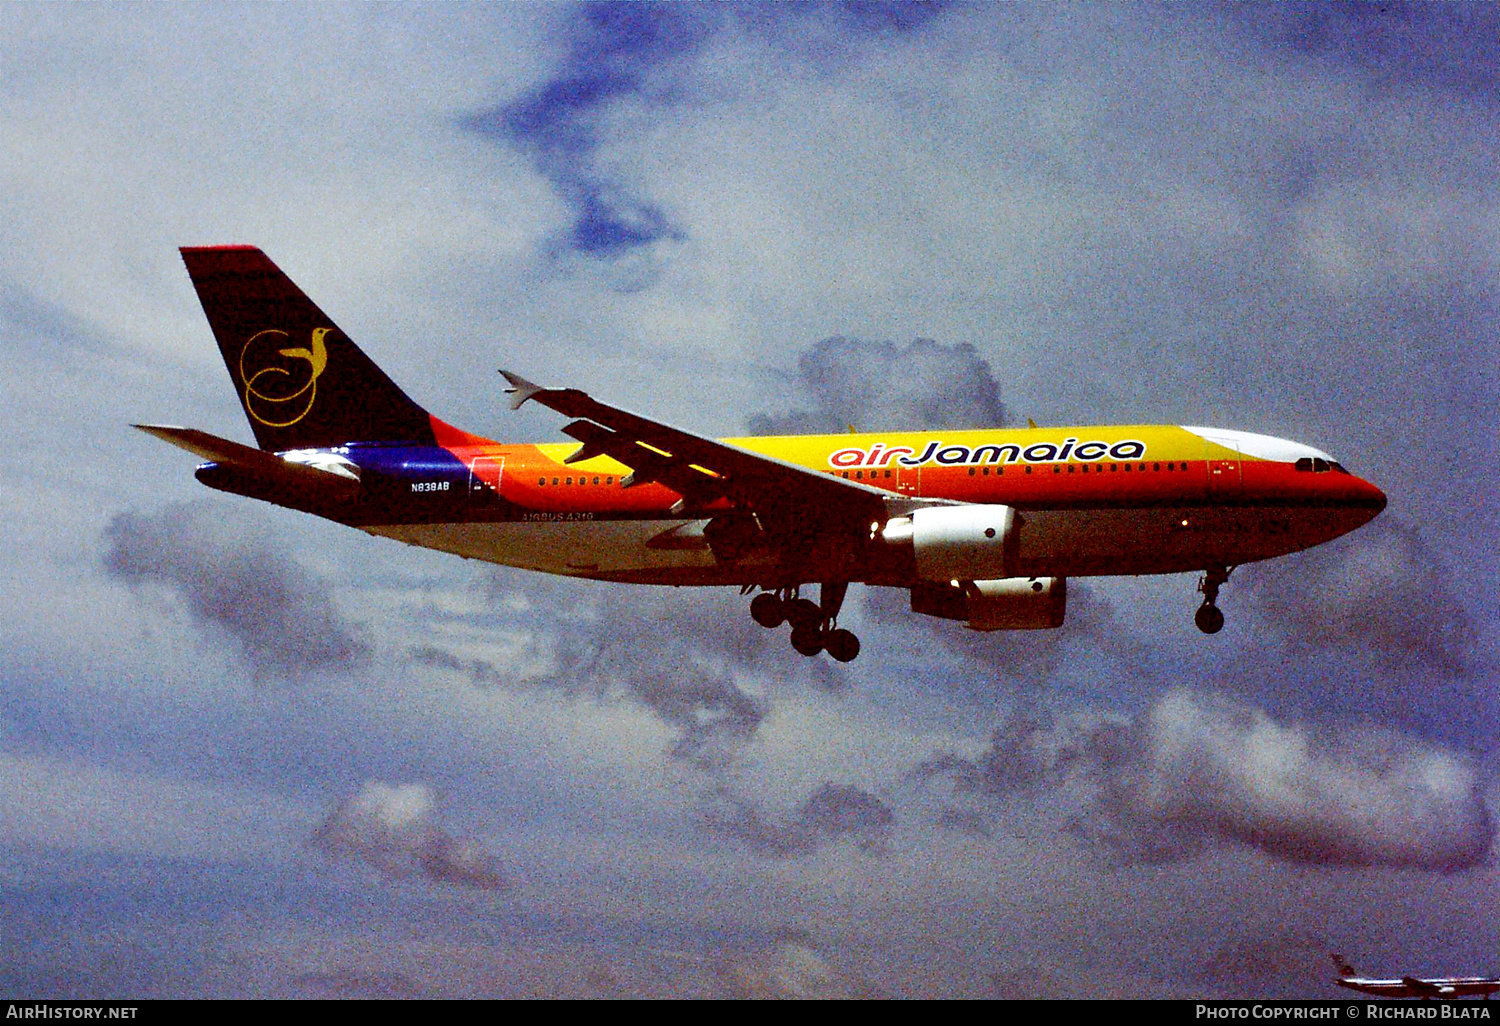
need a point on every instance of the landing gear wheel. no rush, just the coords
(842, 645)
(767, 610)
(807, 639)
(1210, 619)
(804, 613)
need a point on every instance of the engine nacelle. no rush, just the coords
(1009, 604)
(958, 543)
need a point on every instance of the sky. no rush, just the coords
(245, 752)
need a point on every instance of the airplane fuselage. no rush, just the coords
(1138, 499)
(1448, 987)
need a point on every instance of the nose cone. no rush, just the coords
(1367, 497)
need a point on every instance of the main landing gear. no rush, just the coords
(1209, 618)
(814, 625)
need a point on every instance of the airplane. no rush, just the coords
(980, 526)
(1417, 987)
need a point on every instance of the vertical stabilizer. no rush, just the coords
(302, 382)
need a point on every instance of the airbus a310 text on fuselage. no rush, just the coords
(981, 526)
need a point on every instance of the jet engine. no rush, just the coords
(1012, 603)
(962, 543)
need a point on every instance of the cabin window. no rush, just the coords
(596, 480)
(609, 480)
(971, 471)
(1114, 468)
(542, 481)
(1028, 470)
(554, 480)
(887, 473)
(1156, 467)
(1070, 468)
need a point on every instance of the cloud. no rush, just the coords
(623, 61)
(791, 967)
(879, 386)
(1448, 47)
(283, 617)
(833, 812)
(1381, 591)
(1032, 749)
(612, 53)
(1195, 769)
(389, 827)
(693, 658)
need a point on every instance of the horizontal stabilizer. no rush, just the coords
(254, 461)
(521, 389)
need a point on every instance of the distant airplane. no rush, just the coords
(979, 526)
(1417, 987)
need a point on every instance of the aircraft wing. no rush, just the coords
(254, 461)
(1427, 987)
(704, 470)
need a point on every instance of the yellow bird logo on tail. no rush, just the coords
(279, 394)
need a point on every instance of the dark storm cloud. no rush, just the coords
(617, 51)
(1195, 770)
(714, 717)
(390, 827)
(879, 386)
(684, 655)
(1452, 47)
(612, 52)
(1033, 749)
(236, 581)
(1381, 591)
(833, 812)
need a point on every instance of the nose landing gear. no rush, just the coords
(814, 625)
(1209, 618)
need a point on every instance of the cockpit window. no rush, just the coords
(1318, 465)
